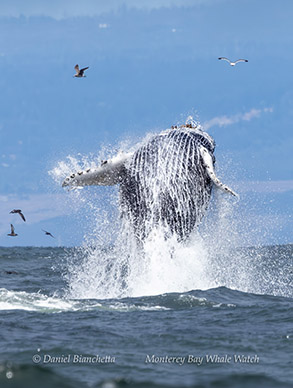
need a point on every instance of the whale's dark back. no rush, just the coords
(166, 184)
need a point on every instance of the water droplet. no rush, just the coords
(9, 374)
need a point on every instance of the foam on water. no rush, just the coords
(21, 300)
(42, 303)
(112, 264)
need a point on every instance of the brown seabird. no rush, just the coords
(18, 211)
(79, 72)
(47, 233)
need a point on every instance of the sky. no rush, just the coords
(151, 64)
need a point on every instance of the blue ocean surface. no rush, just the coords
(214, 337)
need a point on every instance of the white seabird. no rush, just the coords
(232, 63)
(12, 233)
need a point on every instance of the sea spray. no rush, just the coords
(113, 263)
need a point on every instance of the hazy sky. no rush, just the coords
(152, 63)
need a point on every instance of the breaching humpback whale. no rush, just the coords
(167, 181)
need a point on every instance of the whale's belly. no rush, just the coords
(166, 184)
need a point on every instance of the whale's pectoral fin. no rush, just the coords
(108, 174)
(208, 163)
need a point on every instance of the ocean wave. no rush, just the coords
(220, 297)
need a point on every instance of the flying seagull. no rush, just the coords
(13, 234)
(19, 212)
(47, 233)
(79, 72)
(232, 63)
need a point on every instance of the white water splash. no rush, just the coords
(112, 264)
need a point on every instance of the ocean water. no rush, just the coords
(115, 312)
(234, 331)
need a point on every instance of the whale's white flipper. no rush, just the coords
(208, 163)
(108, 174)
